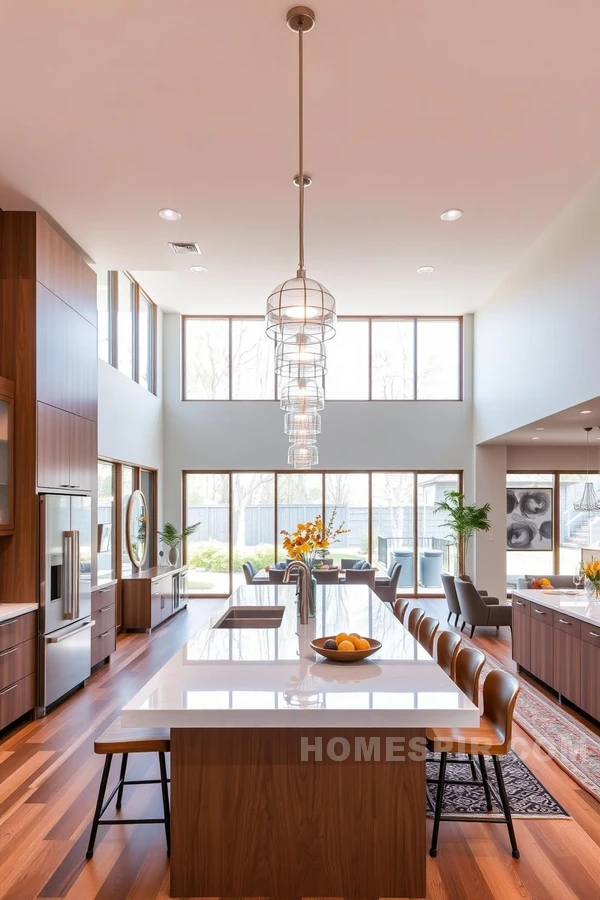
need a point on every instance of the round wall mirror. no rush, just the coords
(137, 528)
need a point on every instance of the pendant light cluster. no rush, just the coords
(301, 314)
(589, 499)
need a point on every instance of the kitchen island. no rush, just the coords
(293, 776)
(556, 638)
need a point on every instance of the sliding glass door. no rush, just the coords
(389, 517)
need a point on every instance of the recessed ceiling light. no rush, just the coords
(586, 412)
(451, 215)
(425, 270)
(539, 429)
(535, 438)
(198, 269)
(170, 214)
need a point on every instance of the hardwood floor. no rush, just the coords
(49, 778)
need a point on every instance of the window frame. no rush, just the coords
(369, 319)
(113, 330)
(323, 473)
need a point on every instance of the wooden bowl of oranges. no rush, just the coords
(344, 647)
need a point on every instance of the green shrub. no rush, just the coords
(212, 556)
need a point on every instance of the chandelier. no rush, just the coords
(589, 499)
(301, 312)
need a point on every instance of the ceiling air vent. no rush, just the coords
(184, 247)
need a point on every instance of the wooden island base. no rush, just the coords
(251, 819)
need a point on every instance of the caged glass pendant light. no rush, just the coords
(300, 357)
(301, 304)
(589, 499)
(303, 455)
(302, 395)
(302, 427)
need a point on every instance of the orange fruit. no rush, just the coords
(342, 636)
(354, 634)
(362, 644)
(346, 645)
(355, 639)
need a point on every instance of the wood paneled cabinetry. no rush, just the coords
(104, 615)
(66, 448)
(560, 650)
(17, 667)
(152, 596)
(7, 452)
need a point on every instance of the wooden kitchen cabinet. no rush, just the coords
(541, 644)
(66, 450)
(152, 596)
(7, 456)
(521, 633)
(567, 666)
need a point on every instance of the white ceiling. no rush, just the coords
(112, 109)
(565, 427)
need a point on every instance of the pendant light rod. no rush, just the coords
(301, 19)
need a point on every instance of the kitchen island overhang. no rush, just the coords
(292, 776)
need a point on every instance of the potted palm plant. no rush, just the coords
(172, 538)
(463, 521)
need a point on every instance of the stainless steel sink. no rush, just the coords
(252, 617)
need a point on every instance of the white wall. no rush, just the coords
(356, 435)
(536, 340)
(130, 418)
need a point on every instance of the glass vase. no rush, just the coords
(592, 589)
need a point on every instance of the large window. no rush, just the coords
(231, 358)
(389, 517)
(126, 327)
(106, 520)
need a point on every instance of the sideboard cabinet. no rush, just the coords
(153, 595)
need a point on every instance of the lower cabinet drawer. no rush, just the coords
(16, 663)
(16, 700)
(15, 631)
(103, 646)
(104, 620)
(102, 597)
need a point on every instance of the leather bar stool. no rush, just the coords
(130, 740)
(414, 618)
(401, 608)
(428, 627)
(491, 738)
(446, 651)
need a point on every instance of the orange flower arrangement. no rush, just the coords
(311, 537)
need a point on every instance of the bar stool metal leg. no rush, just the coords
(506, 807)
(165, 797)
(122, 779)
(438, 804)
(99, 804)
(484, 778)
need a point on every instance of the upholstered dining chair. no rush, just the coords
(477, 609)
(347, 563)
(428, 627)
(401, 609)
(361, 576)
(446, 651)
(326, 576)
(451, 597)
(387, 592)
(414, 618)
(276, 576)
(492, 738)
(247, 568)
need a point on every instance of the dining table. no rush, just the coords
(262, 576)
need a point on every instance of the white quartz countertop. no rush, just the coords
(12, 610)
(271, 677)
(579, 606)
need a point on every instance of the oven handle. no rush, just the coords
(65, 637)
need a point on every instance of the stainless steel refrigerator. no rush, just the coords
(65, 595)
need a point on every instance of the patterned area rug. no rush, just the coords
(528, 798)
(575, 748)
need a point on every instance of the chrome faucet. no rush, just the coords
(304, 576)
